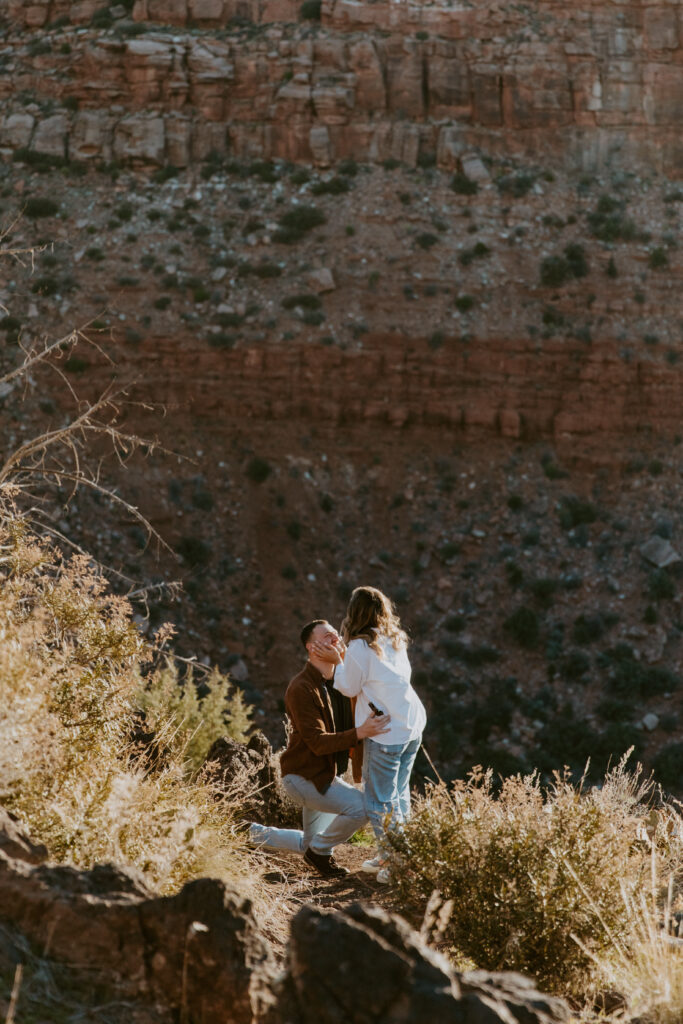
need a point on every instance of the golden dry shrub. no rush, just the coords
(71, 665)
(540, 879)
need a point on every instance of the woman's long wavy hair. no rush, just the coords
(371, 615)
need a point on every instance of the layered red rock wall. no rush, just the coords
(586, 82)
(482, 389)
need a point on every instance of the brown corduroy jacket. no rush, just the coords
(313, 741)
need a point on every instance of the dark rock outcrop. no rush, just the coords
(366, 965)
(264, 800)
(200, 953)
(200, 948)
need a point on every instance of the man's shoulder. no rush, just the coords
(301, 681)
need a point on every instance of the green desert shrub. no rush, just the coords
(523, 626)
(544, 589)
(303, 301)
(165, 173)
(532, 870)
(574, 511)
(470, 654)
(76, 364)
(310, 10)
(46, 284)
(348, 167)
(266, 270)
(193, 721)
(264, 170)
(463, 185)
(335, 186)
(297, 222)
(660, 585)
(258, 470)
(589, 627)
(574, 665)
(426, 240)
(193, 550)
(557, 270)
(41, 162)
(628, 677)
(516, 184)
(41, 206)
(474, 252)
(464, 303)
(658, 258)
(609, 221)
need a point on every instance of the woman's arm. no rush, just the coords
(350, 675)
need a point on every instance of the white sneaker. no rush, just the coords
(372, 866)
(383, 876)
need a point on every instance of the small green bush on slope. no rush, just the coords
(194, 722)
(537, 879)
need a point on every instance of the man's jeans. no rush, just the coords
(386, 774)
(328, 818)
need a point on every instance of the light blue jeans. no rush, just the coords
(386, 774)
(329, 818)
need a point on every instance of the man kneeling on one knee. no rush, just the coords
(332, 809)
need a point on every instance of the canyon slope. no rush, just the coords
(399, 285)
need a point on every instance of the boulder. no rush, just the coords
(201, 948)
(474, 168)
(367, 965)
(50, 136)
(321, 280)
(16, 130)
(251, 768)
(198, 948)
(517, 993)
(659, 552)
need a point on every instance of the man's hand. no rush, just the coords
(332, 652)
(374, 725)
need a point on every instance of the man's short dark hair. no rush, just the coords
(308, 629)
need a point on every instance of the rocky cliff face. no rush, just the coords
(590, 83)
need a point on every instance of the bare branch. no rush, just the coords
(57, 455)
(59, 436)
(81, 479)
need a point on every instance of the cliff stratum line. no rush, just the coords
(587, 83)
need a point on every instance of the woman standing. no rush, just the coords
(375, 669)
